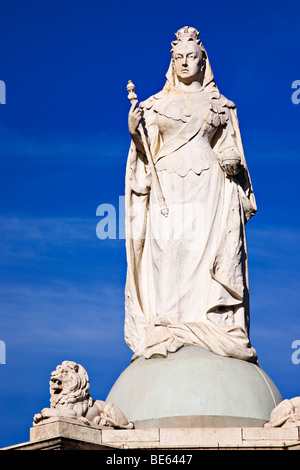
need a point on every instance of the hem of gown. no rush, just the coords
(228, 341)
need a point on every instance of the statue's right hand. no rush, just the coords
(134, 118)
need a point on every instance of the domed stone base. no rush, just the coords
(194, 388)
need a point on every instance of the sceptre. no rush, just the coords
(162, 202)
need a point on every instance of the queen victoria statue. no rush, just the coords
(187, 278)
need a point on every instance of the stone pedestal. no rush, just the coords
(194, 388)
(61, 434)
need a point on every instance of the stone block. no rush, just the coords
(198, 437)
(68, 428)
(271, 434)
(130, 435)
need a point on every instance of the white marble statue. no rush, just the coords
(187, 277)
(70, 398)
(286, 414)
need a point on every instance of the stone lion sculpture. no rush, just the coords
(285, 414)
(70, 398)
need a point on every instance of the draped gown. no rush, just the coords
(187, 276)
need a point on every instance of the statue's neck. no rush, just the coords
(189, 88)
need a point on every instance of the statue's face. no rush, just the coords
(187, 58)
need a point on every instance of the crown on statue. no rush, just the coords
(187, 33)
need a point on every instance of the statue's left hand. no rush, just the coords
(231, 166)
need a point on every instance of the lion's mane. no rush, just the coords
(69, 383)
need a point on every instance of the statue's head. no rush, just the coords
(188, 55)
(189, 61)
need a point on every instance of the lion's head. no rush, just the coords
(69, 383)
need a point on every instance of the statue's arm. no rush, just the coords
(141, 178)
(224, 141)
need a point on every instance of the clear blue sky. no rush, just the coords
(63, 150)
